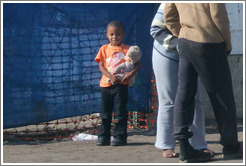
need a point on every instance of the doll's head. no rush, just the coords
(134, 54)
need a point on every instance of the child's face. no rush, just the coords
(115, 35)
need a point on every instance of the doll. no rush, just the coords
(133, 55)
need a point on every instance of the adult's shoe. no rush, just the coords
(190, 155)
(233, 151)
(198, 156)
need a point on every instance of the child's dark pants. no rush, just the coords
(115, 95)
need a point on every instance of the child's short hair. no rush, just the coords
(117, 24)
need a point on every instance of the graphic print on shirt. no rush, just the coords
(114, 60)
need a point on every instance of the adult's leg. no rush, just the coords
(166, 75)
(185, 97)
(214, 71)
(198, 127)
(165, 71)
(185, 104)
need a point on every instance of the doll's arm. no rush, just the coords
(119, 68)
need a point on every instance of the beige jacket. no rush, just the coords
(199, 22)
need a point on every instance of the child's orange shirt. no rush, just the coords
(111, 56)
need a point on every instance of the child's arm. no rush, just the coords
(129, 75)
(106, 73)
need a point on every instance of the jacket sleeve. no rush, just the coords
(171, 18)
(160, 32)
(221, 20)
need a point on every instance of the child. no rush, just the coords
(132, 57)
(114, 92)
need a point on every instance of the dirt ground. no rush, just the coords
(140, 149)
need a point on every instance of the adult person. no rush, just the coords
(204, 43)
(165, 65)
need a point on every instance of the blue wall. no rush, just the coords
(48, 58)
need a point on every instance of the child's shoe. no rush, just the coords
(103, 141)
(118, 142)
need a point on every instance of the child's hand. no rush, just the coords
(113, 80)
